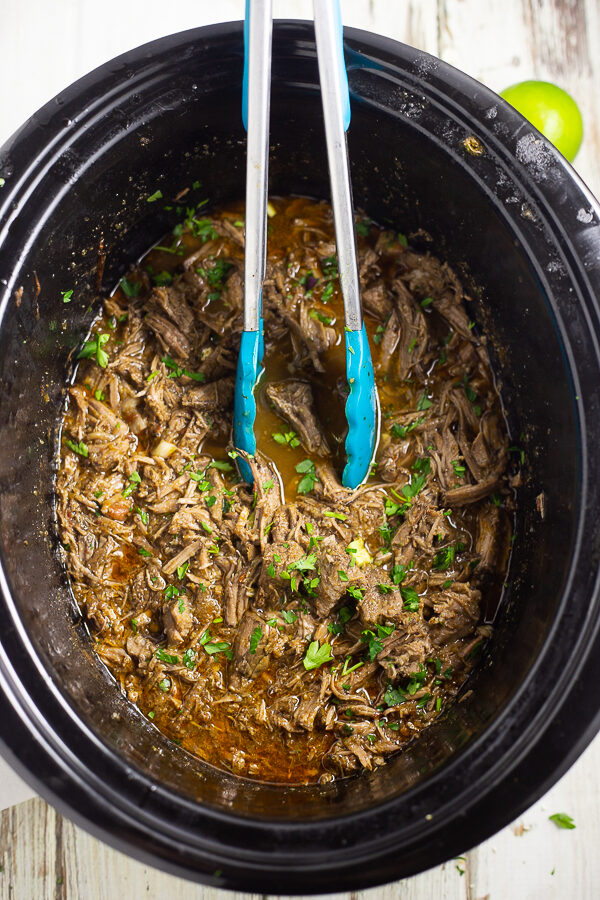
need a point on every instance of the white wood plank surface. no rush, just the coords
(43, 47)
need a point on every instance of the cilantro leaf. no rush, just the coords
(169, 658)
(189, 658)
(398, 574)
(410, 597)
(287, 437)
(562, 820)
(80, 448)
(129, 288)
(134, 482)
(176, 371)
(317, 655)
(304, 564)
(374, 646)
(221, 466)
(306, 468)
(93, 348)
(444, 558)
(255, 639)
(394, 696)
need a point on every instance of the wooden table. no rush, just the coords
(43, 47)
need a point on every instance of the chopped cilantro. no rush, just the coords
(400, 431)
(129, 288)
(176, 371)
(169, 658)
(161, 278)
(255, 639)
(201, 228)
(374, 645)
(305, 564)
(222, 466)
(385, 588)
(398, 574)
(379, 332)
(315, 314)
(562, 820)
(444, 558)
(288, 437)
(346, 669)
(213, 647)
(93, 348)
(459, 470)
(417, 681)
(410, 597)
(80, 448)
(157, 195)
(134, 482)
(394, 696)
(306, 468)
(189, 658)
(317, 655)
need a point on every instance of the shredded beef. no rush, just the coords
(292, 629)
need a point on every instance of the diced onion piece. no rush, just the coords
(164, 449)
(360, 553)
(271, 211)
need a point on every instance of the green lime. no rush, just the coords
(551, 110)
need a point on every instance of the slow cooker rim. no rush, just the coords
(364, 36)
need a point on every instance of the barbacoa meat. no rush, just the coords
(290, 630)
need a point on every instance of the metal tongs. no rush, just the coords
(361, 404)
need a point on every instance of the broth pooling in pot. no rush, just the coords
(296, 631)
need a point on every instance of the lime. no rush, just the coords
(551, 110)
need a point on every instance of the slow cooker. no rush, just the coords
(445, 161)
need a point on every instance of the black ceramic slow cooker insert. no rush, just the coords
(445, 161)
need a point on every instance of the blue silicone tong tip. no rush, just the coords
(361, 405)
(361, 409)
(244, 405)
